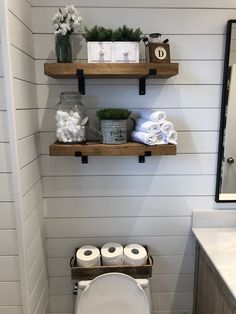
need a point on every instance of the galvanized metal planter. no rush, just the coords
(114, 131)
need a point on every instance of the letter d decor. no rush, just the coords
(159, 52)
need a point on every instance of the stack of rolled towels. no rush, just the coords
(111, 254)
(152, 128)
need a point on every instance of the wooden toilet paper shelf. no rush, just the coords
(89, 273)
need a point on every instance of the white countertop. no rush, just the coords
(220, 246)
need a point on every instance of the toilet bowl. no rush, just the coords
(113, 293)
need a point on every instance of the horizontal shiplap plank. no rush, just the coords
(159, 283)
(4, 137)
(6, 191)
(28, 149)
(180, 164)
(147, 3)
(22, 9)
(127, 206)
(35, 248)
(159, 96)
(11, 309)
(10, 293)
(9, 268)
(26, 122)
(157, 245)
(22, 65)
(189, 119)
(5, 162)
(30, 174)
(128, 185)
(43, 305)
(8, 243)
(19, 35)
(38, 289)
(190, 72)
(188, 142)
(24, 94)
(183, 47)
(2, 93)
(37, 267)
(129, 226)
(212, 21)
(177, 301)
(172, 264)
(7, 215)
(172, 282)
(33, 224)
(31, 200)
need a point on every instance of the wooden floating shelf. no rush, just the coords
(111, 70)
(97, 149)
(81, 71)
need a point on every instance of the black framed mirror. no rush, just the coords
(226, 165)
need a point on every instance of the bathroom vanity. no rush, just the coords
(215, 275)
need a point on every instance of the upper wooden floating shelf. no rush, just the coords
(97, 149)
(111, 70)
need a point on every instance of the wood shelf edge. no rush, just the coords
(97, 149)
(109, 70)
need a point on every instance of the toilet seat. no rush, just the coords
(113, 293)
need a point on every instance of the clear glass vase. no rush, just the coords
(70, 118)
(63, 49)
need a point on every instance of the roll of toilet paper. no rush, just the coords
(112, 254)
(88, 256)
(135, 254)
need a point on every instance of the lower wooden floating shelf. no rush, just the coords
(97, 149)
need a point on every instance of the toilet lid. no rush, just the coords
(113, 293)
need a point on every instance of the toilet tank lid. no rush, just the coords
(142, 282)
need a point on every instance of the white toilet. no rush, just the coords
(113, 293)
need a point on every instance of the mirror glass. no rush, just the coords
(226, 169)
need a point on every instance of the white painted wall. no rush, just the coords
(10, 288)
(116, 198)
(24, 144)
(110, 198)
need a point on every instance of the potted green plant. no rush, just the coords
(113, 124)
(106, 45)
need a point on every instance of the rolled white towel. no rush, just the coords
(172, 137)
(167, 127)
(145, 138)
(144, 125)
(161, 138)
(155, 116)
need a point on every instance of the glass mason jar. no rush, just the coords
(155, 38)
(70, 118)
(63, 48)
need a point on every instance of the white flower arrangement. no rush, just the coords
(67, 22)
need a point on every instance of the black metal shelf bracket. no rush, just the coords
(84, 159)
(141, 158)
(81, 81)
(142, 81)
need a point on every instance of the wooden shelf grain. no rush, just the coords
(97, 149)
(111, 70)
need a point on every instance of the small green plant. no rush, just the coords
(113, 114)
(126, 34)
(98, 33)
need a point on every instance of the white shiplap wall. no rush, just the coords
(117, 199)
(31, 206)
(10, 288)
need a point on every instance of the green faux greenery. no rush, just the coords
(99, 33)
(126, 34)
(113, 114)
